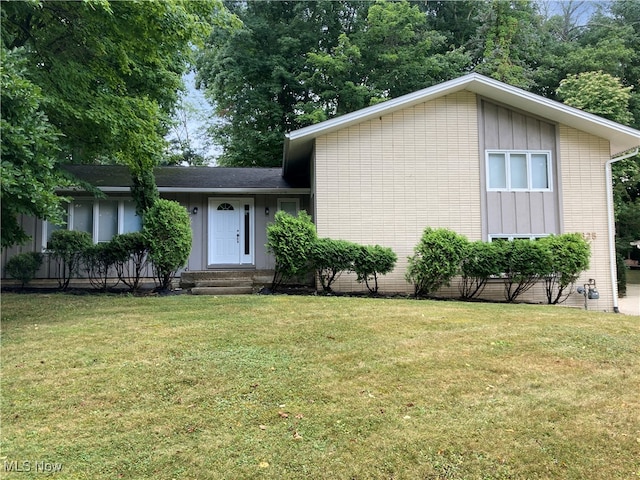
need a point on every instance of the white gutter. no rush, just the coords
(611, 224)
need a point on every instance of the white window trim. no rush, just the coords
(528, 153)
(520, 236)
(290, 199)
(96, 213)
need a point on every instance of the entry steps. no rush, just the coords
(225, 282)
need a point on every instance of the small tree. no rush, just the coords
(167, 231)
(290, 240)
(98, 262)
(523, 263)
(569, 257)
(330, 258)
(436, 260)
(68, 247)
(372, 261)
(130, 251)
(481, 262)
(24, 266)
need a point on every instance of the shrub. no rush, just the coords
(98, 261)
(329, 258)
(522, 263)
(371, 261)
(167, 231)
(570, 255)
(290, 240)
(130, 251)
(436, 260)
(67, 247)
(481, 262)
(24, 266)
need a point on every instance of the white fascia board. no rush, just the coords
(373, 111)
(621, 137)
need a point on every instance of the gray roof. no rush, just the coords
(188, 179)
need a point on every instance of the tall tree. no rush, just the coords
(109, 72)
(508, 42)
(251, 75)
(296, 63)
(29, 152)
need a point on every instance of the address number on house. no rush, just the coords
(589, 235)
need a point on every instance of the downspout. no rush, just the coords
(611, 224)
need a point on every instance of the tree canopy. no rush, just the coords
(105, 76)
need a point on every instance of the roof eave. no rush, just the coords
(621, 137)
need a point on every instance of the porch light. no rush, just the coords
(266, 211)
(194, 210)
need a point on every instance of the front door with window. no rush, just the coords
(230, 231)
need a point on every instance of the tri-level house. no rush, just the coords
(474, 155)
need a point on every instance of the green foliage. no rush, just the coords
(621, 276)
(24, 266)
(437, 259)
(569, 255)
(29, 151)
(130, 251)
(372, 261)
(290, 239)
(523, 264)
(308, 61)
(481, 262)
(329, 258)
(507, 42)
(67, 247)
(143, 190)
(111, 82)
(599, 93)
(98, 261)
(167, 232)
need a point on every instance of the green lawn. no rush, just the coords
(278, 387)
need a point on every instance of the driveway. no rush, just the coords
(630, 304)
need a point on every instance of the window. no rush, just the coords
(518, 171)
(509, 238)
(289, 205)
(102, 219)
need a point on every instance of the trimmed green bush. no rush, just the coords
(437, 259)
(481, 262)
(68, 247)
(130, 251)
(98, 261)
(570, 254)
(372, 261)
(167, 231)
(329, 258)
(523, 263)
(290, 240)
(24, 266)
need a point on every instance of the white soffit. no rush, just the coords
(621, 137)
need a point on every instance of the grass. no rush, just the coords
(310, 387)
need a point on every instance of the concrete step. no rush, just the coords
(225, 282)
(222, 290)
(212, 278)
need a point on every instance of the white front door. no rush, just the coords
(230, 231)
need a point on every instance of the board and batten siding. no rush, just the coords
(520, 213)
(385, 180)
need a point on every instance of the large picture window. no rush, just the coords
(518, 170)
(102, 219)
